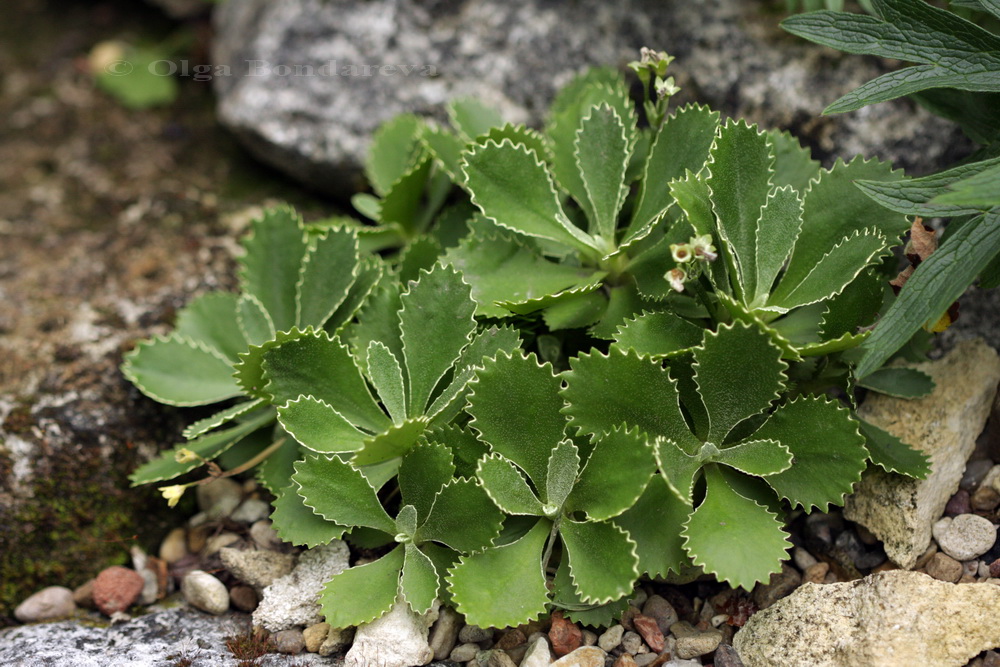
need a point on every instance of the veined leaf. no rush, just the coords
(658, 334)
(462, 517)
(614, 476)
(270, 269)
(317, 426)
(981, 191)
(919, 196)
(777, 230)
(503, 586)
(211, 319)
(725, 518)
(739, 374)
(203, 426)
(423, 472)
(602, 155)
(654, 523)
(300, 525)
(362, 593)
(899, 382)
(328, 270)
(179, 371)
(418, 582)
(825, 467)
(514, 189)
(892, 454)
(527, 434)
(602, 559)
(338, 492)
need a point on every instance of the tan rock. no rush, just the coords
(585, 656)
(900, 510)
(883, 620)
(315, 635)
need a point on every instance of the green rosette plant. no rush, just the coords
(567, 495)
(291, 276)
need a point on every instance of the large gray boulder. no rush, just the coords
(315, 123)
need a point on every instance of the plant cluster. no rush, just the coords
(620, 346)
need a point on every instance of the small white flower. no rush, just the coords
(173, 494)
(681, 252)
(676, 277)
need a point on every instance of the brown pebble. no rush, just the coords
(243, 597)
(289, 641)
(314, 635)
(726, 656)
(116, 588)
(197, 538)
(944, 568)
(885, 567)
(995, 569)
(815, 573)
(926, 556)
(83, 596)
(960, 503)
(511, 639)
(625, 660)
(628, 615)
(650, 631)
(565, 636)
(985, 499)
(991, 659)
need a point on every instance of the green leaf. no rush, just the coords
(576, 312)
(693, 196)
(462, 517)
(253, 321)
(682, 144)
(203, 426)
(899, 382)
(378, 320)
(317, 426)
(525, 435)
(392, 151)
(396, 441)
(270, 269)
(602, 155)
(678, 469)
(436, 322)
(605, 391)
(565, 597)
(136, 82)
(981, 191)
(615, 475)
(507, 487)
(362, 593)
(249, 372)
(756, 457)
(825, 468)
(420, 254)
(402, 203)
(473, 117)
(514, 189)
(424, 470)
(833, 211)
(892, 454)
(338, 492)
(419, 580)
(298, 524)
(933, 287)
(602, 559)
(919, 196)
(857, 306)
(501, 268)
(654, 523)
(464, 444)
(740, 373)
(591, 283)
(777, 230)
(386, 377)
(274, 471)
(724, 519)
(740, 164)
(320, 366)
(564, 466)
(211, 319)
(369, 274)
(207, 447)
(624, 303)
(328, 271)
(179, 371)
(518, 134)
(503, 586)
(793, 165)
(658, 334)
(446, 149)
(831, 274)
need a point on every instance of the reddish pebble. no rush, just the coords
(564, 635)
(960, 503)
(995, 569)
(650, 631)
(116, 588)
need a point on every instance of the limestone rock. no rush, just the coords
(397, 638)
(205, 592)
(898, 510)
(884, 620)
(260, 569)
(291, 600)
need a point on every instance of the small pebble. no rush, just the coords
(589, 638)
(965, 537)
(639, 598)
(816, 573)
(83, 596)
(511, 639)
(628, 615)
(682, 629)
(611, 638)
(150, 587)
(46, 604)
(197, 538)
(650, 631)
(289, 641)
(205, 592)
(464, 652)
(585, 656)
(538, 654)
(658, 608)
(250, 511)
(644, 659)
(216, 543)
(960, 503)
(336, 639)
(625, 660)
(726, 656)
(258, 568)
(991, 659)
(944, 568)
(975, 472)
(700, 644)
(116, 588)
(983, 570)
(632, 642)
(802, 558)
(985, 499)
(265, 536)
(244, 598)
(781, 584)
(444, 633)
(219, 498)
(565, 636)
(174, 546)
(495, 658)
(473, 634)
(314, 636)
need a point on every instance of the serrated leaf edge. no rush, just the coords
(129, 372)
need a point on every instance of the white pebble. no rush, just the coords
(205, 592)
(965, 537)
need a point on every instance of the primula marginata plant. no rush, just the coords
(701, 287)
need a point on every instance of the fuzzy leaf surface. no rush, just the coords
(602, 155)
(892, 454)
(179, 371)
(203, 426)
(211, 319)
(506, 485)
(615, 475)
(328, 270)
(299, 524)
(678, 469)
(658, 334)
(564, 466)
(254, 321)
(419, 580)
(423, 472)
(317, 426)
(462, 517)
(392, 151)
(362, 593)
(655, 523)
(777, 230)
(793, 165)
(338, 492)
(473, 117)
(602, 559)
(756, 457)
(915, 196)
(397, 440)
(270, 269)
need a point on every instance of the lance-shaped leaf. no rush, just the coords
(386, 376)
(514, 189)
(724, 519)
(393, 148)
(602, 559)
(892, 454)
(211, 319)
(658, 334)
(829, 453)
(777, 230)
(362, 593)
(272, 264)
(602, 155)
(317, 426)
(678, 469)
(401, 205)
(615, 475)
(753, 457)
(739, 373)
(564, 466)
(254, 321)
(655, 523)
(206, 376)
(507, 487)
(338, 492)
(899, 382)
(418, 582)
(527, 434)
(203, 426)
(503, 586)
(329, 269)
(462, 517)
(793, 165)
(393, 442)
(920, 196)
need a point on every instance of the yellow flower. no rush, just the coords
(185, 455)
(173, 494)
